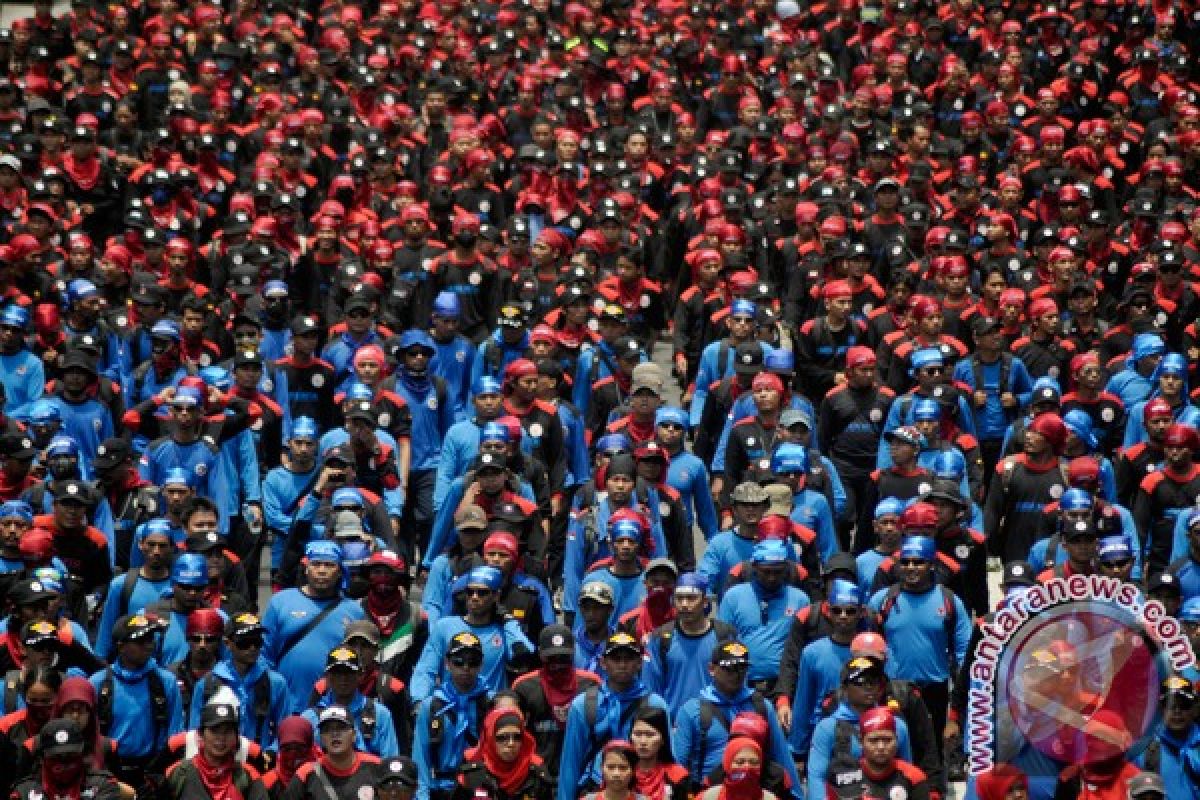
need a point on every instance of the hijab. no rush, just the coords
(741, 784)
(509, 775)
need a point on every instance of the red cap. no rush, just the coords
(1083, 472)
(774, 526)
(922, 306)
(1180, 435)
(1041, 306)
(1050, 425)
(767, 380)
(919, 516)
(520, 368)
(205, 620)
(835, 289)
(859, 356)
(877, 719)
(869, 644)
(502, 541)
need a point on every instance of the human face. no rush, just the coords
(156, 550)
(914, 572)
(728, 680)
(670, 434)
(322, 575)
(746, 759)
(464, 668)
(620, 489)
(479, 599)
(69, 513)
(201, 522)
(595, 615)
(337, 739)
(343, 682)
(11, 531)
(625, 550)
(689, 605)
(617, 773)
(134, 654)
(845, 618)
(1179, 712)
(219, 741)
(500, 559)
(491, 481)
(508, 742)
(78, 712)
(40, 698)
(766, 399)
(646, 740)
(770, 576)
(879, 748)
(622, 666)
(1081, 549)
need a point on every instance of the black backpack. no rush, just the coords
(262, 698)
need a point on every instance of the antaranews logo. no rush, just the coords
(1068, 672)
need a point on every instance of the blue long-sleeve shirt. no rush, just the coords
(688, 476)
(393, 499)
(145, 593)
(459, 448)
(501, 641)
(628, 590)
(700, 751)
(818, 674)
(811, 509)
(579, 465)
(915, 631)
(133, 727)
(725, 551)
(431, 420)
(245, 687)
(287, 614)
(901, 414)
(436, 770)
(281, 500)
(743, 407)
(88, 422)
(685, 670)
(237, 475)
(614, 719)
(1178, 761)
(1131, 386)
(454, 361)
(24, 380)
(825, 735)
(383, 743)
(763, 622)
(339, 352)
(992, 419)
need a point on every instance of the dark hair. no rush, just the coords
(624, 749)
(656, 718)
(193, 302)
(32, 676)
(506, 694)
(195, 504)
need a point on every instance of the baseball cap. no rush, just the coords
(770, 551)
(556, 640)
(599, 592)
(362, 629)
(110, 453)
(29, 591)
(731, 655)
(203, 541)
(343, 658)
(863, 666)
(132, 627)
(60, 737)
(334, 715)
(218, 714)
(747, 358)
(465, 642)
(471, 517)
(621, 641)
(244, 624)
(1017, 573)
(1145, 784)
(750, 493)
(647, 376)
(662, 563)
(400, 769)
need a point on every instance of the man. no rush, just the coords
(138, 703)
(81, 547)
(1022, 485)
(545, 695)
(132, 500)
(823, 343)
(878, 773)
(66, 771)
(734, 546)
(686, 473)
(926, 626)
(603, 713)
(215, 767)
(720, 359)
(1079, 539)
(1166, 492)
(1135, 383)
(263, 696)
(525, 598)
(506, 650)
(304, 624)
(20, 370)
(1174, 753)
(999, 384)
(140, 587)
(594, 623)
(456, 358)
(904, 479)
(626, 572)
(375, 729)
(284, 486)
(228, 587)
(462, 440)
(761, 610)
(340, 770)
(702, 726)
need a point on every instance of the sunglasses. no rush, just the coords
(845, 611)
(466, 661)
(1120, 563)
(358, 312)
(507, 738)
(933, 370)
(1078, 539)
(912, 562)
(670, 426)
(201, 638)
(478, 592)
(246, 644)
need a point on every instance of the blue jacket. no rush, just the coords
(454, 362)
(237, 475)
(24, 380)
(459, 448)
(133, 726)
(824, 736)
(502, 641)
(688, 476)
(700, 751)
(431, 420)
(196, 458)
(1178, 762)
(383, 743)
(579, 465)
(685, 671)
(818, 673)
(613, 720)
(280, 705)
(459, 723)
(494, 341)
(89, 423)
(763, 622)
(725, 551)
(1131, 386)
(281, 500)
(287, 614)
(993, 419)
(915, 632)
(442, 534)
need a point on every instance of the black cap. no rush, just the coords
(305, 324)
(1018, 573)
(135, 626)
(1164, 582)
(343, 658)
(490, 461)
(17, 445)
(111, 452)
(72, 489)
(556, 640)
(244, 624)
(840, 563)
(465, 642)
(748, 358)
(29, 591)
(731, 655)
(1080, 529)
(60, 737)
(204, 541)
(400, 769)
(214, 714)
(361, 409)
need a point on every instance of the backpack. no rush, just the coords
(178, 777)
(1006, 361)
(844, 774)
(709, 713)
(436, 729)
(262, 697)
(159, 714)
(949, 614)
(591, 699)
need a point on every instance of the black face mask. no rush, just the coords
(466, 239)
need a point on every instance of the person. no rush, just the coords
(397, 779)
(545, 694)
(133, 683)
(214, 770)
(65, 771)
(304, 624)
(139, 587)
(339, 772)
(1001, 782)
(296, 748)
(878, 772)
(742, 766)
(618, 767)
(1101, 768)
(602, 714)
(38, 688)
(451, 718)
(658, 775)
(505, 764)
(1174, 752)
(704, 723)
(203, 630)
(373, 724)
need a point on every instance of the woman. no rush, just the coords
(296, 748)
(214, 773)
(505, 764)
(657, 776)
(39, 687)
(76, 701)
(742, 764)
(618, 770)
(1002, 782)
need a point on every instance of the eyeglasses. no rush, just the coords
(200, 638)
(1082, 539)
(246, 644)
(358, 312)
(507, 738)
(478, 592)
(933, 370)
(466, 661)
(670, 426)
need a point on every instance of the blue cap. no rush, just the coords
(742, 308)
(493, 432)
(488, 385)
(159, 525)
(613, 441)
(926, 408)
(15, 317)
(43, 412)
(779, 360)
(844, 593)
(190, 569)
(1075, 500)
(16, 508)
(355, 552)
(62, 445)
(789, 459)
(671, 414)
(770, 551)
(304, 428)
(275, 289)
(625, 529)
(918, 547)
(347, 496)
(489, 577)
(446, 305)
(216, 376)
(187, 396)
(323, 551)
(889, 507)
(414, 337)
(948, 464)
(691, 582)
(1190, 612)
(1173, 364)
(1147, 344)
(177, 476)
(80, 289)
(166, 329)
(1113, 548)
(927, 357)
(1079, 423)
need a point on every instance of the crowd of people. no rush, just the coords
(366, 294)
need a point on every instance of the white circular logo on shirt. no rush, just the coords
(664, 508)
(1056, 491)
(962, 551)
(875, 415)
(1107, 415)
(536, 430)
(62, 737)
(385, 419)
(318, 380)
(924, 488)
(474, 279)
(432, 402)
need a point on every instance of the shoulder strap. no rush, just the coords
(104, 701)
(262, 700)
(889, 601)
(127, 588)
(1051, 552)
(590, 699)
(949, 615)
(722, 356)
(843, 737)
(436, 726)
(12, 684)
(158, 702)
(492, 355)
(324, 784)
(724, 631)
(369, 719)
(665, 635)
(312, 624)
